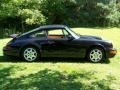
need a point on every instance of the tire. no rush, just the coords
(30, 54)
(96, 55)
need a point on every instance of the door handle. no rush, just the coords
(51, 42)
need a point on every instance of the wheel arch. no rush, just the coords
(96, 46)
(30, 45)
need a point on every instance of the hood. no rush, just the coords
(90, 37)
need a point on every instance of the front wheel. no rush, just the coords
(96, 55)
(30, 54)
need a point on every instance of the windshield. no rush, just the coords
(75, 35)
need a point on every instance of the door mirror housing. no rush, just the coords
(70, 37)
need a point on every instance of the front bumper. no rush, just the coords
(12, 51)
(111, 52)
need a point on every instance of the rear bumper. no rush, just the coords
(111, 52)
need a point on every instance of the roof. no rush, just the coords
(52, 26)
(45, 27)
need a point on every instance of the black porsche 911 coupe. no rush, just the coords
(58, 41)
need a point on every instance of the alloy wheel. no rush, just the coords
(96, 55)
(30, 54)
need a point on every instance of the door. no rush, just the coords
(59, 44)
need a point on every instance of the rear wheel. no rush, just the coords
(30, 54)
(96, 55)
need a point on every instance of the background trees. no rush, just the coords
(21, 15)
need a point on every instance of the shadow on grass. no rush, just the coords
(50, 59)
(9, 59)
(48, 79)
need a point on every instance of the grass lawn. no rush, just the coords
(63, 74)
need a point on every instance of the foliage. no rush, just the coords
(114, 15)
(26, 14)
(32, 16)
(26, 10)
(82, 12)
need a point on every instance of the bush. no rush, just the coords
(82, 13)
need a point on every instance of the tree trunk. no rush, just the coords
(23, 28)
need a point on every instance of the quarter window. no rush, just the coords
(40, 34)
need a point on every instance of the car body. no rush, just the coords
(58, 41)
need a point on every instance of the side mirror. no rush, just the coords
(32, 36)
(70, 37)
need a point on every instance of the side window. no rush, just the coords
(56, 34)
(39, 34)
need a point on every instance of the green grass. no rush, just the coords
(63, 74)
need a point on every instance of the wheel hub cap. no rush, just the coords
(30, 54)
(96, 55)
